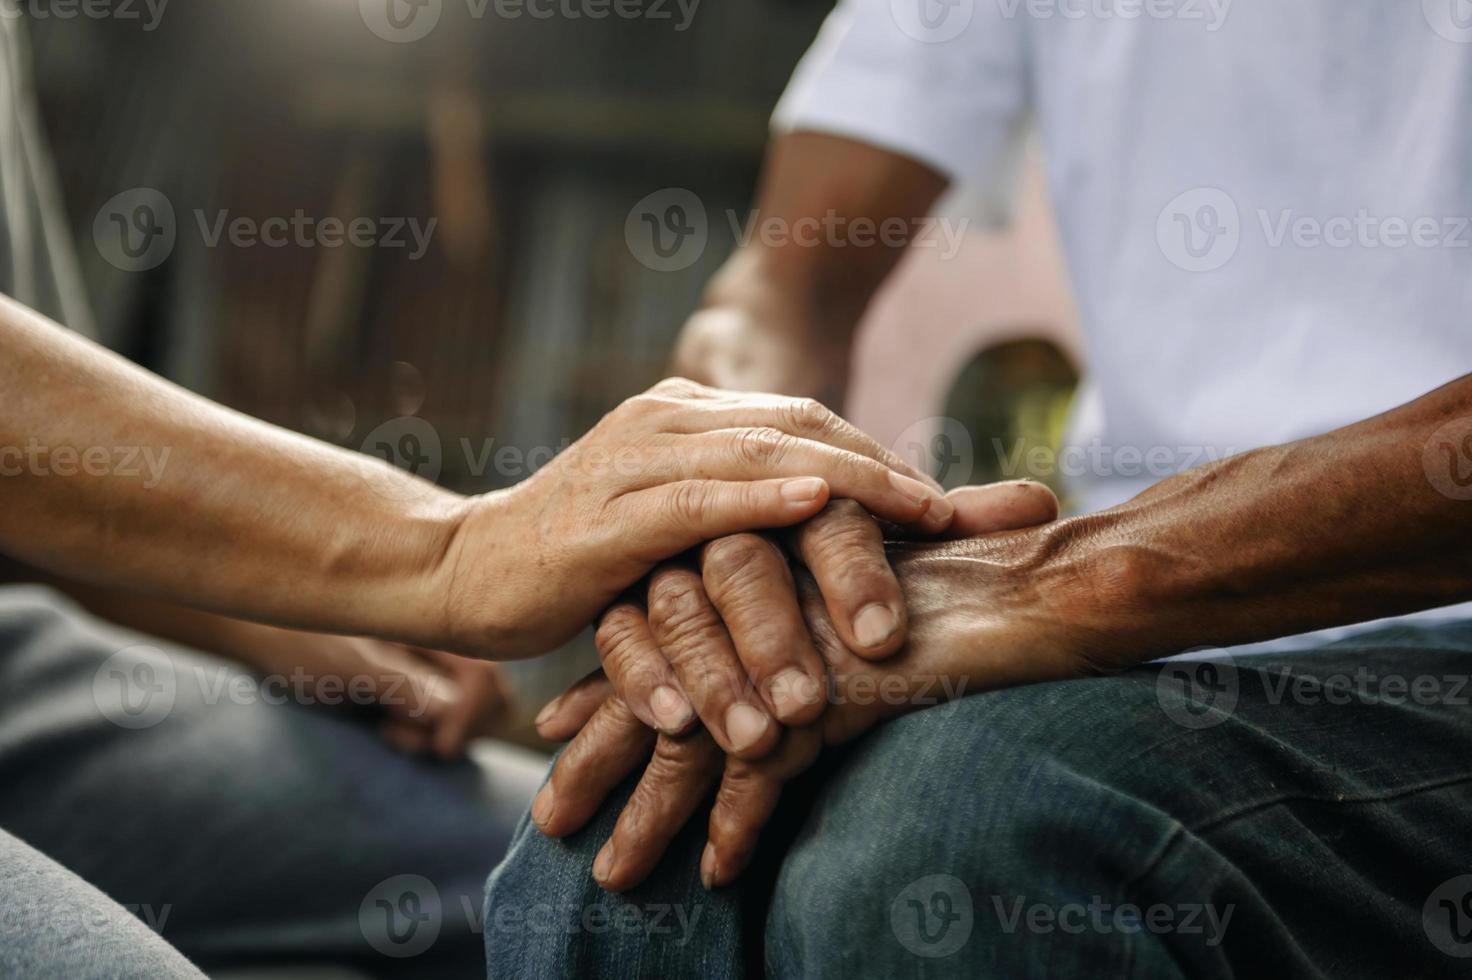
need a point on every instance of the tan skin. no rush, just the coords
(1336, 529)
(256, 523)
(432, 702)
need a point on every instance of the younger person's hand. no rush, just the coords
(526, 568)
(432, 702)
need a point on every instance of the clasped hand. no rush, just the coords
(757, 650)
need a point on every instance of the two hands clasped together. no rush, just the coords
(795, 583)
(735, 663)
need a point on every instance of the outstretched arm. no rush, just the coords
(1368, 521)
(242, 518)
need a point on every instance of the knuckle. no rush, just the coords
(682, 616)
(620, 717)
(620, 643)
(676, 387)
(667, 764)
(688, 501)
(843, 510)
(677, 761)
(618, 628)
(733, 812)
(738, 562)
(809, 415)
(681, 754)
(844, 538)
(762, 446)
(641, 405)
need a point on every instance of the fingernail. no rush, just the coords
(545, 715)
(708, 867)
(875, 624)
(670, 708)
(745, 726)
(913, 489)
(542, 806)
(792, 691)
(803, 491)
(603, 867)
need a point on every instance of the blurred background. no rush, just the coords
(530, 143)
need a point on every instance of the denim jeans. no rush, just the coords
(1302, 814)
(217, 826)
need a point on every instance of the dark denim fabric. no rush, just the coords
(1305, 814)
(250, 832)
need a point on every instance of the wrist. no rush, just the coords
(421, 556)
(472, 590)
(1115, 601)
(1058, 600)
(766, 286)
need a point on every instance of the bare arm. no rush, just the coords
(780, 315)
(1368, 521)
(245, 519)
(1363, 522)
(195, 502)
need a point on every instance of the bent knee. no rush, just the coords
(943, 823)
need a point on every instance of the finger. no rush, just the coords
(1001, 507)
(479, 705)
(744, 803)
(695, 643)
(666, 520)
(499, 689)
(675, 783)
(806, 418)
(407, 736)
(853, 712)
(419, 694)
(565, 715)
(843, 547)
(639, 672)
(748, 582)
(608, 748)
(746, 454)
(404, 684)
(479, 700)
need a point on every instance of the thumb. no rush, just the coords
(1001, 507)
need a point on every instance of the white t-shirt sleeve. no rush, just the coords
(881, 74)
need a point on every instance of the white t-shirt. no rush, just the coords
(1266, 206)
